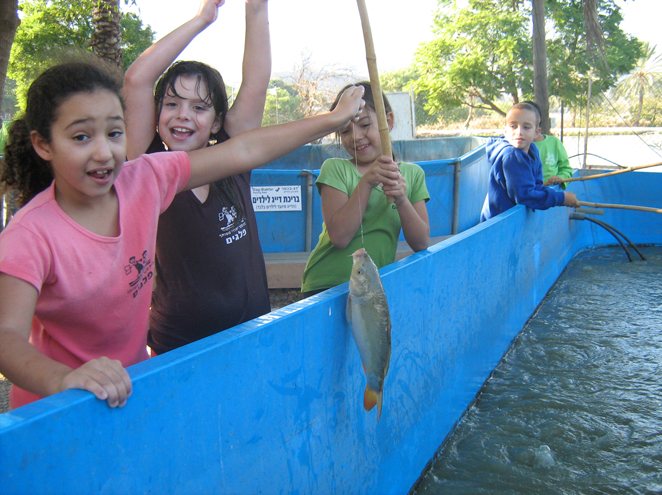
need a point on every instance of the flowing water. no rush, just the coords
(575, 406)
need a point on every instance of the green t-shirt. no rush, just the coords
(329, 266)
(554, 158)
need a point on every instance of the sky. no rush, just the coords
(330, 33)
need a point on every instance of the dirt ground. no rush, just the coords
(4, 394)
(283, 297)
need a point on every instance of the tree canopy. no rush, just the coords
(49, 27)
(483, 52)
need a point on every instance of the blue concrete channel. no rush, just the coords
(275, 405)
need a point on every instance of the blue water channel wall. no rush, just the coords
(455, 168)
(275, 405)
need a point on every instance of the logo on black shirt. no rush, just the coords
(227, 217)
(233, 228)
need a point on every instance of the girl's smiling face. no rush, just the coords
(187, 117)
(361, 137)
(87, 146)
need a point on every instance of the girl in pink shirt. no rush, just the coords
(77, 261)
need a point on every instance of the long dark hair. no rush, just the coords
(217, 96)
(24, 170)
(204, 74)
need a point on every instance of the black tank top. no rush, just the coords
(210, 267)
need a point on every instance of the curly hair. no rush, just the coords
(24, 170)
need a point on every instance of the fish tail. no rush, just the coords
(371, 398)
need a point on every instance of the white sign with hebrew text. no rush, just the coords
(276, 198)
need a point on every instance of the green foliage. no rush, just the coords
(400, 80)
(651, 111)
(403, 80)
(4, 131)
(283, 104)
(482, 54)
(9, 104)
(51, 27)
(641, 86)
(136, 38)
(571, 63)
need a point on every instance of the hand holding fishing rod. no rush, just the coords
(396, 189)
(383, 173)
(570, 199)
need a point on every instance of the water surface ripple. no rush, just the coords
(575, 406)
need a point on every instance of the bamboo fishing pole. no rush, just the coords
(615, 172)
(371, 58)
(623, 207)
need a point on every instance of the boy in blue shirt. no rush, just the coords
(516, 170)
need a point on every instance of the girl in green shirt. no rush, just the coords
(366, 201)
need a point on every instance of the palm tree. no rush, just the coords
(642, 80)
(106, 39)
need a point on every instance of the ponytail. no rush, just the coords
(24, 170)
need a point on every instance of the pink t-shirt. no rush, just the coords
(94, 291)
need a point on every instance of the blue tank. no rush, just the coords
(275, 405)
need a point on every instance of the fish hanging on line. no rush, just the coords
(369, 319)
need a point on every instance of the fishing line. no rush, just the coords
(356, 164)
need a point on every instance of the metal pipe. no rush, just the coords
(309, 209)
(455, 221)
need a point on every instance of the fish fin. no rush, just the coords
(348, 309)
(372, 398)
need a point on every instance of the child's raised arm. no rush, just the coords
(140, 77)
(31, 370)
(248, 107)
(259, 146)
